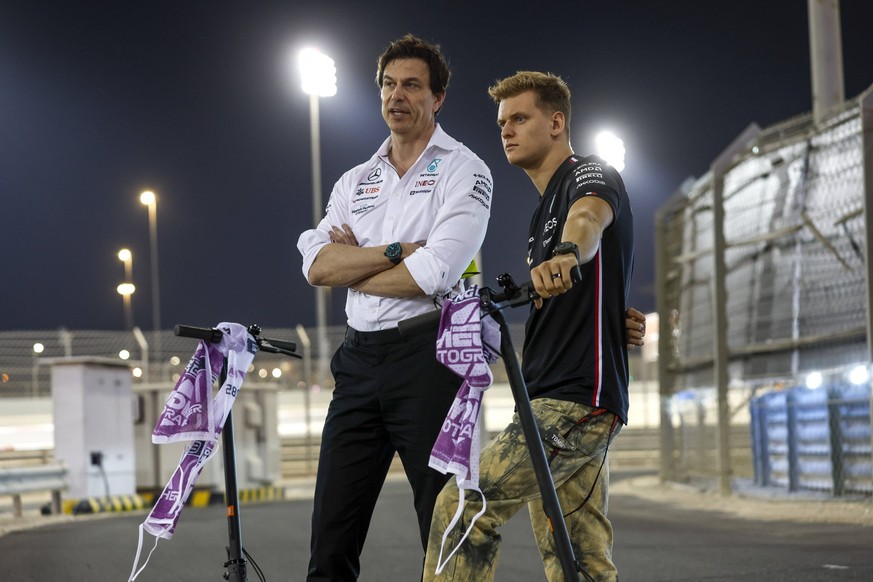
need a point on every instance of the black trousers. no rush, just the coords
(391, 394)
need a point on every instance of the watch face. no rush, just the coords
(394, 251)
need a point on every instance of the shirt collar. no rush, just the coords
(439, 139)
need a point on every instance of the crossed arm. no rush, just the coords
(345, 264)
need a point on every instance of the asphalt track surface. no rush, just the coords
(655, 542)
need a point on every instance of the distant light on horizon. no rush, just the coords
(318, 73)
(814, 380)
(859, 375)
(147, 197)
(610, 148)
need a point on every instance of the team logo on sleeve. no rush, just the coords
(590, 173)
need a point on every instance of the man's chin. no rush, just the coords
(515, 159)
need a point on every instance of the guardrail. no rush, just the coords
(635, 448)
(15, 481)
(26, 458)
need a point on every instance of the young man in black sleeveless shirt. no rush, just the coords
(575, 355)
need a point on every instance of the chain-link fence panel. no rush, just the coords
(795, 275)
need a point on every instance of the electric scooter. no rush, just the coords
(492, 303)
(236, 565)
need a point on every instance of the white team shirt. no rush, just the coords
(444, 199)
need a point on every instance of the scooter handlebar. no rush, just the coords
(208, 334)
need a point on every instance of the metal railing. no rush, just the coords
(16, 481)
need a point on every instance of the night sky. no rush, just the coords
(200, 102)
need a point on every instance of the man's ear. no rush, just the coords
(557, 123)
(438, 104)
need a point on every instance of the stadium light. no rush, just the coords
(859, 375)
(318, 73)
(610, 148)
(814, 380)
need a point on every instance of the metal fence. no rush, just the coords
(25, 356)
(814, 440)
(762, 275)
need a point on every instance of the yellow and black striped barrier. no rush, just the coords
(116, 503)
(198, 498)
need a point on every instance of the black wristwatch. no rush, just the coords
(394, 252)
(565, 248)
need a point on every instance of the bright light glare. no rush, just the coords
(147, 197)
(277, 373)
(137, 372)
(859, 375)
(38, 348)
(262, 373)
(814, 380)
(126, 289)
(318, 73)
(124, 355)
(124, 255)
(610, 148)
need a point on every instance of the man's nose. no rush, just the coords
(397, 93)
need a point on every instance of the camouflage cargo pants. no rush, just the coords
(507, 481)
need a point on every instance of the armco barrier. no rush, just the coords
(17, 480)
(814, 440)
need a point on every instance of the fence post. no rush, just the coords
(665, 376)
(835, 440)
(756, 429)
(791, 440)
(764, 444)
(867, 201)
(719, 302)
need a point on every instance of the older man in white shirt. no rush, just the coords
(399, 231)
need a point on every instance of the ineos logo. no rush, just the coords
(550, 225)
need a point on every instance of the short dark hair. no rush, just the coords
(551, 92)
(412, 47)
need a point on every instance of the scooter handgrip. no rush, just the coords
(209, 334)
(283, 344)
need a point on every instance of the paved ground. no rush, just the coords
(663, 534)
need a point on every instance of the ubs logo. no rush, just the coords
(374, 174)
